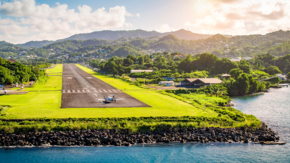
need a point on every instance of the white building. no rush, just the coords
(282, 76)
(166, 83)
(247, 58)
(137, 71)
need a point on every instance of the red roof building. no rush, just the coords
(11, 60)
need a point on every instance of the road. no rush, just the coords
(82, 90)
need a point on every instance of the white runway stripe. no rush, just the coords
(73, 91)
(114, 90)
(63, 91)
(88, 91)
(95, 90)
(109, 90)
(100, 90)
(68, 91)
(83, 90)
(79, 91)
(104, 90)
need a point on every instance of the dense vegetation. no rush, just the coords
(165, 61)
(19, 73)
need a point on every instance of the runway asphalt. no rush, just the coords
(82, 90)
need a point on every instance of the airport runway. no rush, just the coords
(82, 90)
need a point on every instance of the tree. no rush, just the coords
(235, 73)
(245, 66)
(141, 60)
(217, 89)
(128, 62)
(288, 75)
(225, 65)
(272, 70)
(243, 84)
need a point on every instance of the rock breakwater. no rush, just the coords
(124, 138)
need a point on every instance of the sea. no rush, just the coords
(273, 108)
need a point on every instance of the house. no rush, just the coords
(168, 78)
(247, 58)
(237, 59)
(277, 44)
(187, 81)
(11, 60)
(225, 76)
(197, 82)
(166, 83)
(138, 71)
(179, 56)
(282, 76)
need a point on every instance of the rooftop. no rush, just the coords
(224, 75)
(205, 80)
(163, 82)
(136, 71)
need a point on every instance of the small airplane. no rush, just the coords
(109, 99)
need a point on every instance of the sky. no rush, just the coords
(34, 20)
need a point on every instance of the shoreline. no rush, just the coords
(104, 138)
(137, 144)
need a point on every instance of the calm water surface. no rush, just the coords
(272, 108)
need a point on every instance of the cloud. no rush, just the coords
(138, 15)
(241, 17)
(164, 28)
(226, 1)
(31, 21)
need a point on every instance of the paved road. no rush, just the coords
(82, 90)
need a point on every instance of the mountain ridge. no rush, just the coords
(113, 35)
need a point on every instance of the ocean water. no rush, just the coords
(272, 108)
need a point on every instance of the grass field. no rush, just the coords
(42, 102)
(57, 68)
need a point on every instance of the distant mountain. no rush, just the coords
(187, 35)
(113, 35)
(4, 44)
(36, 44)
(217, 37)
(280, 34)
(180, 34)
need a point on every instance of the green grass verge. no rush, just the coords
(131, 123)
(57, 68)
